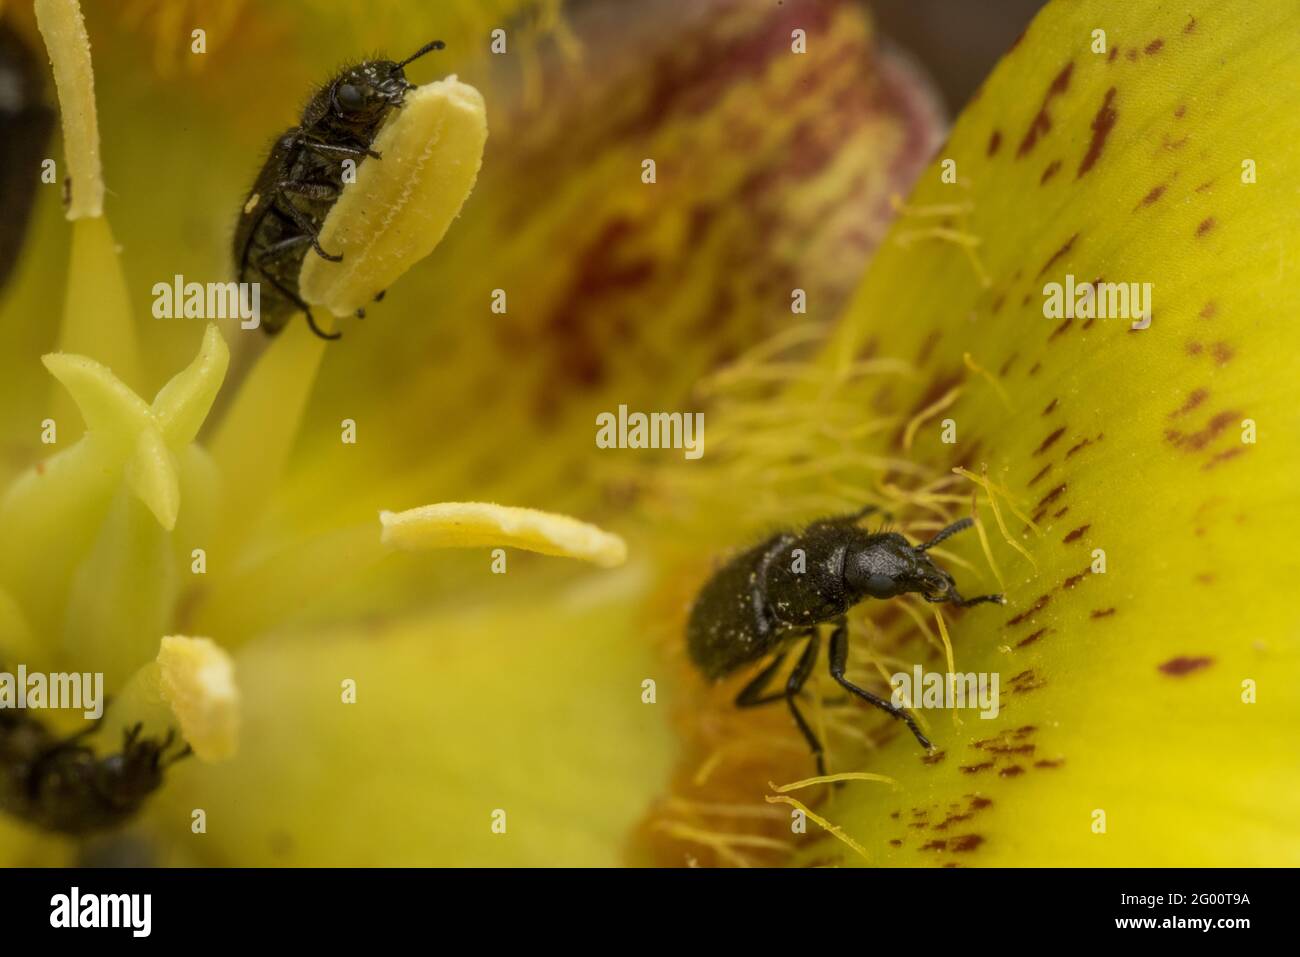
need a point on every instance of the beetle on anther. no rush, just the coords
(303, 176)
(779, 592)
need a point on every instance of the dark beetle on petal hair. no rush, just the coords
(778, 592)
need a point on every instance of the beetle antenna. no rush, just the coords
(947, 533)
(428, 47)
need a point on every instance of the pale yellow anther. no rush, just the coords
(140, 438)
(401, 205)
(484, 525)
(64, 31)
(197, 679)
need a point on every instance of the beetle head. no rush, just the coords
(363, 94)
(887, 565)
(127, 778)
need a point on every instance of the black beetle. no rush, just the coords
(62, 786)
(303, 177)
(778, 592)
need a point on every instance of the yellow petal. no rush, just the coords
(482, 525)
(440, 736)
(400, 206)
(1138, 627)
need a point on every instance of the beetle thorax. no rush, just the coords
(805, 583)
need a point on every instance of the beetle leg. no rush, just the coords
(334, 149)
(277, 249)
(294, 298)
(311, 191)
(960, 602)
(793, 686)
(953, 597)
(751, 695)
(840, 660)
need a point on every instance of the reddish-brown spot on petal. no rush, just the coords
(1050, 441)
(1154, 46)
(1030, 639)
(994, 142)
(1102, 124)
(1033, 369)
(934, 757)
(1049, 763)
(1132, 55)
(1013, 771)
(1060, 330)
(1049, 172)
(1041, 472)
(967, 842)
(1208, 310)
(1222, 352)
(1191, 25)
(936, 845)
(1205, 226)
(1223, 456)
(1061, 512)
(1051, 496)
(1050, 406)
(1031, 610)
(1026, 681)
(1194, 399)
(927, 347)
(1199, 440)
(1042, 121)
(1183, 665)
(1077, 534)
(1103, 613)
(1194, 348)
(1069, 244)
(1180, 110)
(1076, 578)
(1151, 197)
(1114, 52)
(975, 768)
